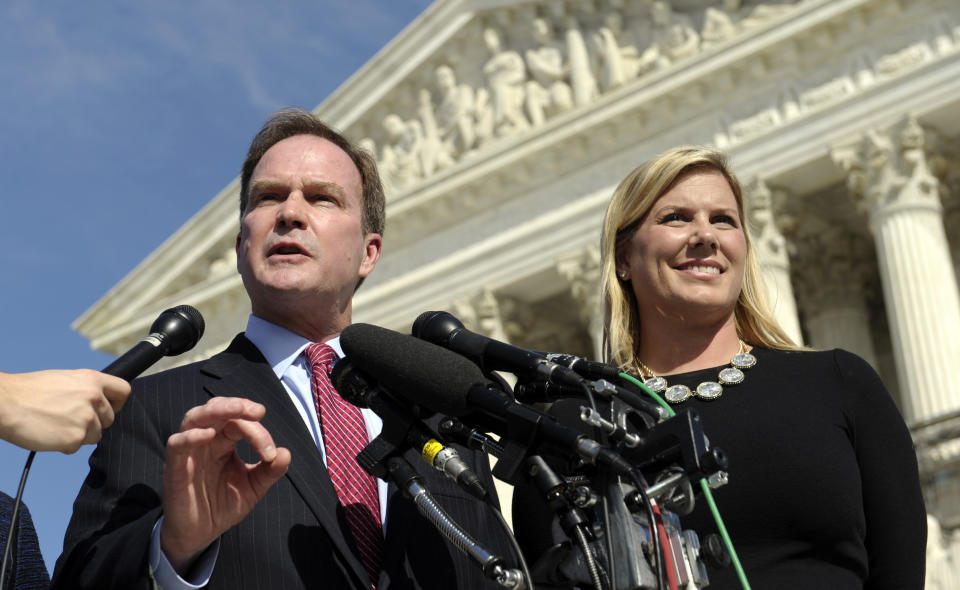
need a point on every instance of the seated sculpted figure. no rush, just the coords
(506, 75)
(547, 93)
(674, 37)
(455, 113)
(619, 58)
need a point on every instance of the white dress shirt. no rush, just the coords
(283, 350)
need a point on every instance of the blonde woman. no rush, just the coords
(824, 490)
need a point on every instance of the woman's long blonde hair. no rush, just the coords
(631, 202)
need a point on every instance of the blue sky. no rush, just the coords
(118, 122)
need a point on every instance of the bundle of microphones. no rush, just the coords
(444, 369)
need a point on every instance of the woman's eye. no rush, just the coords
(725, 219)
(673, 217)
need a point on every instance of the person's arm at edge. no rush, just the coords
(892, 499)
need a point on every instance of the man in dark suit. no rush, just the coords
(240, 496)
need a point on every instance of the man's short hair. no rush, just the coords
(295, 121)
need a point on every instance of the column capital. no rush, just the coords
(581, 269)
(888, 169)
(768, 222)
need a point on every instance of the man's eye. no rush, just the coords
(266, 198)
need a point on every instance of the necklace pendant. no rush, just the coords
(656, 384)
(743, 360)
(731, 376)
(709, 390)
(677, 393)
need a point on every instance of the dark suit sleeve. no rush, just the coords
(108, 538)
(896, 526)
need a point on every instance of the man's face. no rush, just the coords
(301, 244)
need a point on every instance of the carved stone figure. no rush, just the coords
(581, 78)
(770, 243)
(619, 58)
(720, 24)
(401, 158)
(455, 113)
(506, 75)
(433, 154)
(547, 93)
(674, 37)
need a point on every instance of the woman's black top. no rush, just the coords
(823, 491)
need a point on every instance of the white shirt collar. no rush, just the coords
(280, 346)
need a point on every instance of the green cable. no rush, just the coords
(707, 492)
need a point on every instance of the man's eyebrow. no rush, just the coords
(264, 185)
(311, 185)
(324, 186)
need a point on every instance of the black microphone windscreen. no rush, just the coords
(435, 326)
(175, 331)
(414, 369)
(180, 327)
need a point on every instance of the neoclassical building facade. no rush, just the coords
(502, 127)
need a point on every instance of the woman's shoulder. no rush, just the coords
(833, 365)
(842, 359)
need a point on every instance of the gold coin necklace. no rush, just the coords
(708, 390)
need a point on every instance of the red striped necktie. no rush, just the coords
(344, 436)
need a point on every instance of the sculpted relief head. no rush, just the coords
(541, 31)
(445, 78)
(491, 38)
(393, 125)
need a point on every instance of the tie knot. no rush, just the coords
(320, 356)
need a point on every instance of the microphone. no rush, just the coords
(544, 391)
(470, 437)
(442, 328)
(400, 424)
(583, 367)
(174, 332)
(448, 383)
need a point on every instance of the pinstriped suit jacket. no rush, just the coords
(295, 537)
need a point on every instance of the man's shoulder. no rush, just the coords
(239, 351)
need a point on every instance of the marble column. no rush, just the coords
(771, 249)
(888, 170)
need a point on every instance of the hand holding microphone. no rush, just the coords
(62, 410)
(58, 410)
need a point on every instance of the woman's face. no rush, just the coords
(686, 259)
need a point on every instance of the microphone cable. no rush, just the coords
(704, 486)
(513, 541)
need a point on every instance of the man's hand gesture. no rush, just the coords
(207, 488)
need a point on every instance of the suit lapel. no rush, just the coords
(241, 371)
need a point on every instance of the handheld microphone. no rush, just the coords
(174, 332)
(442, 328)
(448, 383)
(400, 423)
